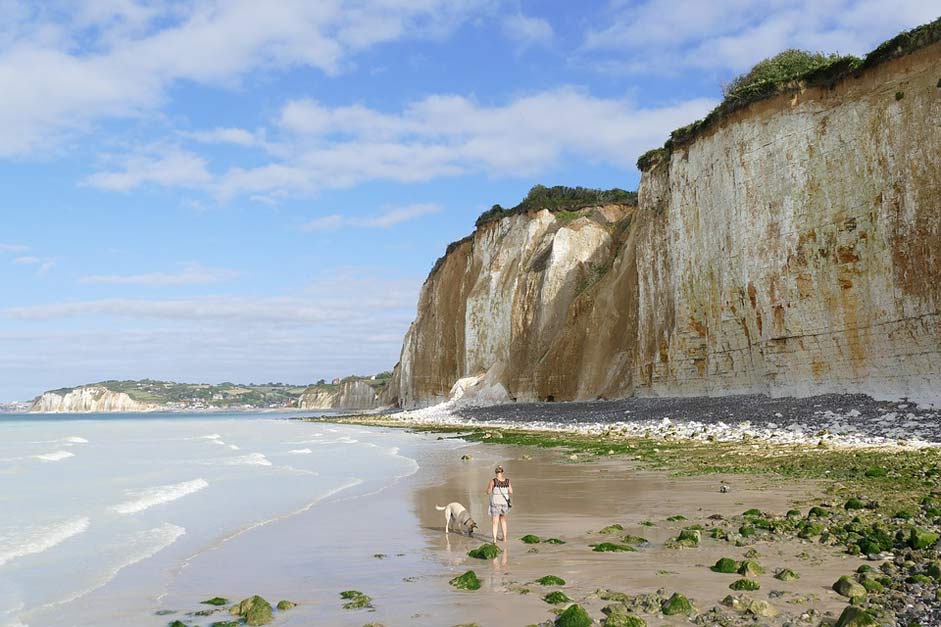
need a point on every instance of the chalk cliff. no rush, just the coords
(356, 394)
(791, 247)
(88, 399)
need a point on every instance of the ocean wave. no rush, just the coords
(74, 439)
(252, 459)
(55, 456)
(140, 547)
(300, 451)
(233, 447)
(158, 495)
(39, 539)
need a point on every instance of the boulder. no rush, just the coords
(855, 617)
(676, 604)
(616, 615)
(846, 587)
(254, 610)
(725, 565)
(573, 616)
(285, 605)
(467, 581)
(485, 551)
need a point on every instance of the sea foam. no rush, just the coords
(39, 539)
(55, 456)
(300, 451)
(252, 459)
(158, 495)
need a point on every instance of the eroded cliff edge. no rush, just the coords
(792, 247)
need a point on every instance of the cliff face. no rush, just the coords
(88, 399)
(350, 395)
(792, 248)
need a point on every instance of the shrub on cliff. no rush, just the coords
(558, 198)
(784, 66)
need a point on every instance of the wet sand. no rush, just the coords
(392, 546)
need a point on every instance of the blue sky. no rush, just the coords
(244, 191)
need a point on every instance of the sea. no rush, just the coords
(126, 502)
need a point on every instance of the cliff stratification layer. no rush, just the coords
(88, 399)
(793, 247)
(349, 395)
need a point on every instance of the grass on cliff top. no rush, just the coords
(791, 70)
(895, 478)
(559, 199)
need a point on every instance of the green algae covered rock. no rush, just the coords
(750, 568)
(556, 597)
(254, 610)
(786, 574)
(617, 615)
(688, 538)
(752, 512)
(921, 539)
(285, 605)
(611, 529)
(530, 539)
(676, 604)
(854, 503)
(553, 541)
(744, 584)
(634, 540)
(855, 617)
(611, 547)
(676, 518)
(612, 595)
(355, 600)
(215, 601)
(177, 623)
(934, 570)
(485, 551)
(550, 580)
(573, 616)
(725, 565)
(467, 581)
(846, 587)
(225, 623)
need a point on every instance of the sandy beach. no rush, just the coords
(392, 547)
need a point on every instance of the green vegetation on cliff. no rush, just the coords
(789, 71)
(559, 199)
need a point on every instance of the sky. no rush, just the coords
(243, 191)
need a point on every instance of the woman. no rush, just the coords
(499, 490)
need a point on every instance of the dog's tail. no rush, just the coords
(439, 508)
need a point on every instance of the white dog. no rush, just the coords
(457, 514)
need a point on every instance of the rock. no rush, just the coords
(750, 568)
(467, 581)
(676, 604)
(573, 616)
(611, 529)
(612, 547)
(530, 539)
(254, 610)
(724, 488)
(760, 609)
(688, 538)
(744, 584)
(466, 458)
(226, 623)
(556, 597)
(485, 551)
(921, 539)
(854, 503)
(216, 601)
(526, 458)
(725, 565)
(553, 541)
(550, 580)
(355, 600)
(786, 574)
(855, 617)
(617, 615)
(285, 605)
(634, 540)
(846, 587)
(177, 623)
(934, 570)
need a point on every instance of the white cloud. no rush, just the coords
(732, 35)
(322, 147)
(237, 136)
(43, 264)
(170, 167)
(382, 221)
(525, 31)
(61, 70)
(192, 274)
(13, 248)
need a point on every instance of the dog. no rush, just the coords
(457, 516)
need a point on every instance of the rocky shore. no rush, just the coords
(837, 419)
